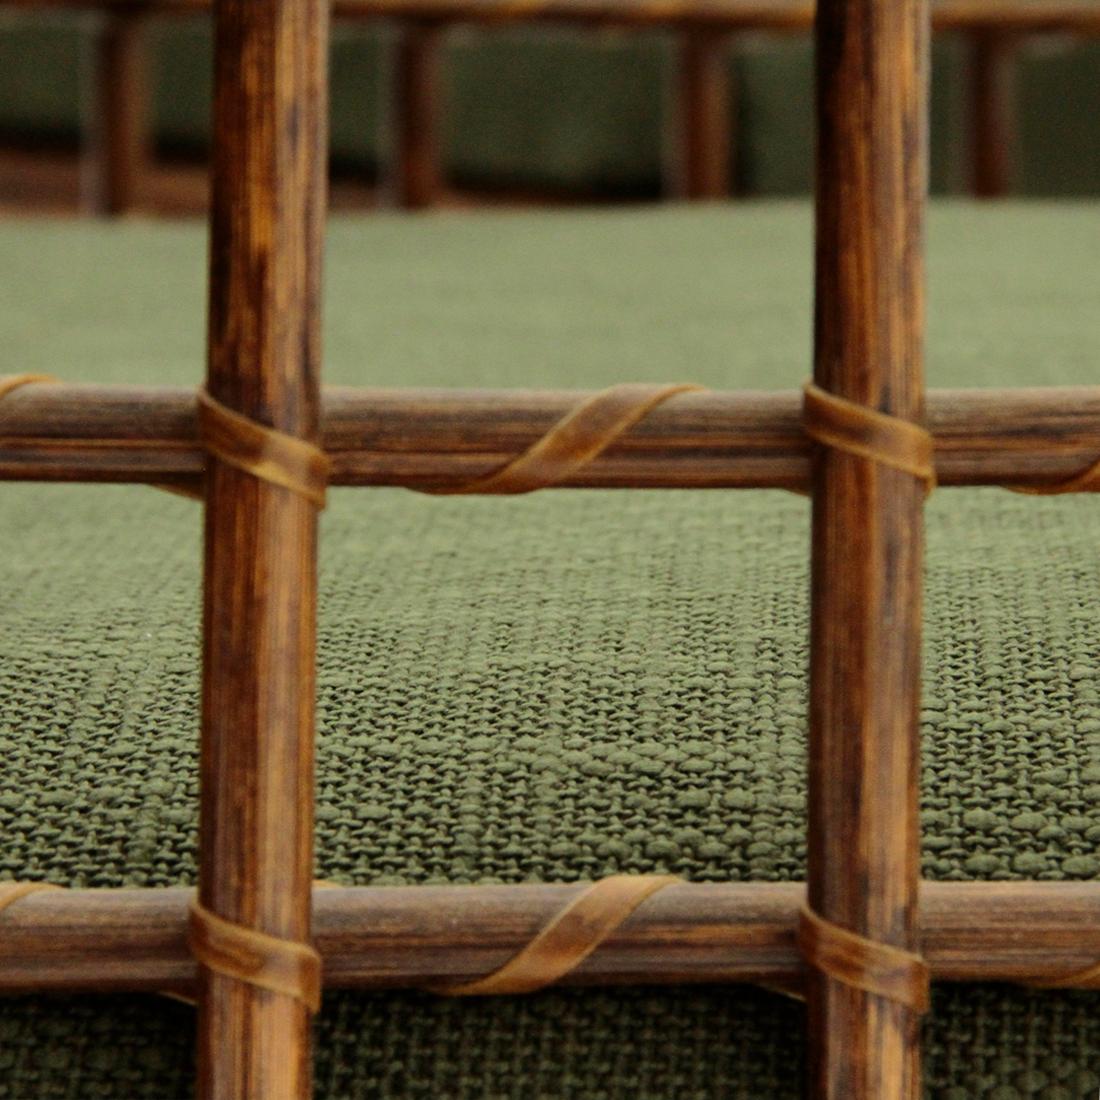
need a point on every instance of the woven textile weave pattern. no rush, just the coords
(556, 687)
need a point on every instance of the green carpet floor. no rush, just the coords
(560, 686)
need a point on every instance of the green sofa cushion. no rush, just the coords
(560, 686)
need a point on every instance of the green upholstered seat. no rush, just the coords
(560, 686)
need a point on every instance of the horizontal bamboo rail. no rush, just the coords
(425, 438)
(778, 16)
(416, 936)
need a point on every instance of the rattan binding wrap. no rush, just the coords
(861, 963)
(856, 961)
(866, 433)
(568, 939)
(267, 962)
(12, 382)
(11, 892)
(261, 451)
(580, 436)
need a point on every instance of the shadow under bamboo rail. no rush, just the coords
(426, 438)
(415, 936)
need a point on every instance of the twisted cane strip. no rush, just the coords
(267, 962)
(857, 430)
(862, 963)
(263, 452)
(594, 915)
(10, 382)
(1089, 978)
(282, 966)
(580, 436)
(568, 939)
(11, 892)
(294, 969)
(569, 445)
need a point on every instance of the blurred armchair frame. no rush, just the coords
(701, 130)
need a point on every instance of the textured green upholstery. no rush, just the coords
(559, 686)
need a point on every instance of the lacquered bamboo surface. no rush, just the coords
(260, 568)
(417, 438)
(392, 937)
(863, 828)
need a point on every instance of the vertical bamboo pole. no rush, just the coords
(991, 71)
(867, 531)
(704, 115)
(417, 180)
(256, 837)
(121, 126)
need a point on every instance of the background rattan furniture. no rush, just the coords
(701, 128)
(260, 572)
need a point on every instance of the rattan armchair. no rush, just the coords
(260, 443)
(705, 138)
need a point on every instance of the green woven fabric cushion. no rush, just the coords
(560, 686)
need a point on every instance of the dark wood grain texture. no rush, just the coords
(415, 438)
(863, 828)
(393, 937)
(122, 98)
(704, 122)
(417, 182)
(992, 111)
(256, 824)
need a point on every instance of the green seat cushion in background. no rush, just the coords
(559, 686)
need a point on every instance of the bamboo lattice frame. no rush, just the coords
(258, 698)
